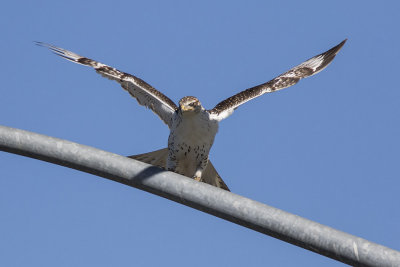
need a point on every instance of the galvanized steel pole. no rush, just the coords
(226, 205)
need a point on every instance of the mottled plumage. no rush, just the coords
(193, 128)
(289, 78)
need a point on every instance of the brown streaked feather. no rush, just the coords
(287, 79)
(143, 92)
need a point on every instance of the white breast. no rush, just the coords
(191, 138)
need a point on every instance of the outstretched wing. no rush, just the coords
(144, 93)
(289, 78)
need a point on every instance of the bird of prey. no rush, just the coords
(192, 127)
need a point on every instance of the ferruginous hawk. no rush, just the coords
(192, 127)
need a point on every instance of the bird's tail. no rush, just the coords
(159, 158)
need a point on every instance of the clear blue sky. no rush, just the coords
(326, 149)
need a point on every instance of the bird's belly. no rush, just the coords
(190, 143)
(187, 163)
(190, 151)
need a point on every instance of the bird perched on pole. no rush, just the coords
(192, 127)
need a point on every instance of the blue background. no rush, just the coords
(326, 149)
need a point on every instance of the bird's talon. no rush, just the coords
(198, 179)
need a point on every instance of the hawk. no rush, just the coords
(192, 127)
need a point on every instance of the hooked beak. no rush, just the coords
(187, 108)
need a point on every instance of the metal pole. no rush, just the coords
(226, 205)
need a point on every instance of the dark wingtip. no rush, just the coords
(38, 43)
(342, 43)
(330, 55)
(337, 48)
(42, 44)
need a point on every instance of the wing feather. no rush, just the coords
(308, 68)
(144, 93)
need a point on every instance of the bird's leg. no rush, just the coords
(199, 171)
(171, 162)
(198, 179)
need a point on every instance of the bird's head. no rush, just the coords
(190, 104)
